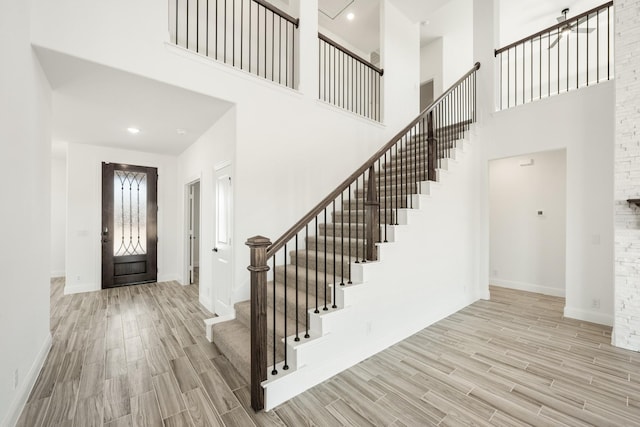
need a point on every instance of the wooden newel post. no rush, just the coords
(258, 268)
(431, 149)
(371, 216)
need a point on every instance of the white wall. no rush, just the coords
(214, 147)
(84, 212)
(528, 249)
(58, 215)
(271, 165)
(431, 65)
(582, 123)
(454, 23)
(400, 57)
(25, 117)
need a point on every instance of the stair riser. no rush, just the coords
(302, 283)
(341, 248)
(400, 189)
(383, 201)
(343, 217)
(291, 309)
(244, 316)
(322, 268)
(357, 231)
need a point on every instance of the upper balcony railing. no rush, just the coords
(347, 80)
(574, 53)
(252, 35)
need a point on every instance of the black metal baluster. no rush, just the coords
(540, 70)
(306, 279)
(515, 75)
(225, 36)
(233, 34)
(349, 239)
(241, 34)
(577, 54)
(197, 26)
(364, 216)
(316, 264)
(386, 200)
(293, 50)
(325, 262)
(357, 223)
(341, 238)
(274, 371)
(187, 39)
(335, 283)
(265, 42)
(508, 78)
(567, 63)
(378, 184)
(320, 69)
(280, 51)
(286, 365)
(177, 23)
(531, 76)
(286, 69)
(587, 49)
(598, 46)
(608, 44)
(297, 338)
(250, 42)
(500, 78)
(395, 181)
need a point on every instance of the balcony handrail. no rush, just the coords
(281, 13)
(553, 27)
(298, 226)
(350, 53)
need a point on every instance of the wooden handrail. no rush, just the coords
(350, 53)
(288, 235)
(285, 15)
(554, 27)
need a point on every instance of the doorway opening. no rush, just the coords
(528, 199)
(426, 94)
(193, 232)
(129, 225)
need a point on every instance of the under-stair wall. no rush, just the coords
(427, 271)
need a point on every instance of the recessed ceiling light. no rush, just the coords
(133, 130)
(350, 16)
(181, 131)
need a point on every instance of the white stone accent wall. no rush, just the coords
(626, 332)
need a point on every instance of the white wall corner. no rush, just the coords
(588, 316)
(18, 404)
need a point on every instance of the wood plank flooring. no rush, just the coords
(137, 356)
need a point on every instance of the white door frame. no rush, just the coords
(185, 233)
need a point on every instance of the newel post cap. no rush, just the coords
(258, 241)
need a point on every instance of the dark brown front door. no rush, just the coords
(129, 224)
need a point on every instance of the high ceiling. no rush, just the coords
(94, 104)
(361, 33)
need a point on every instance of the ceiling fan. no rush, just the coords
(565, 30)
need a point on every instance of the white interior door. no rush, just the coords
(222, 266)
(191, 232)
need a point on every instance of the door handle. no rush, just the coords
(215, 249)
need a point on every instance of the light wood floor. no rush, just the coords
(137, 356)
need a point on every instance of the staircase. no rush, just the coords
(311, 276)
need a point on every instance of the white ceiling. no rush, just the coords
(520, 18)
(94, 104)
(363, 33)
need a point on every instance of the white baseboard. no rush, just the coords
(56, 274)
(16, 407)
(79, 288)
(588, 316)
(528, 287)
(168, 278)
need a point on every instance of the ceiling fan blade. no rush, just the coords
(555, 42)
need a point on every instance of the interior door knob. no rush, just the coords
(215, 249)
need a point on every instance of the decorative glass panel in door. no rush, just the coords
(129, 224)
